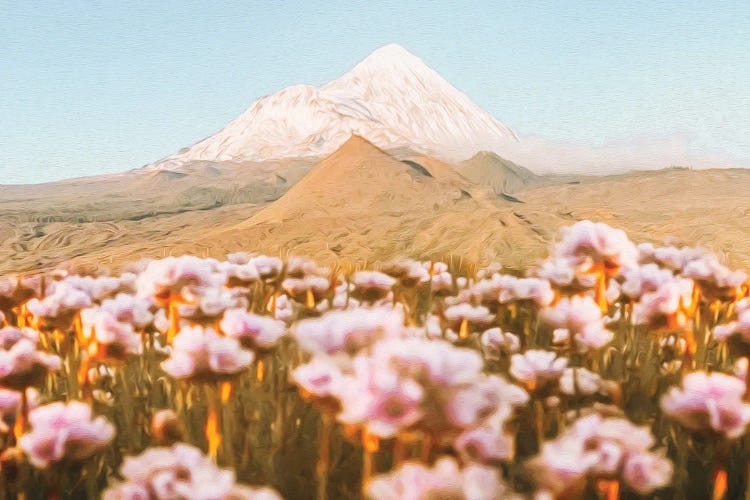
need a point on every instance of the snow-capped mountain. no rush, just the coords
(390, 98)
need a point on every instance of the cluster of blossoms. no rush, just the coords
(377, 374)
(597, 447)
(180, 472)
(709, 402)
(740, 327)
(22, 363)
(64, 432)
(414, 481)
(201, 353)
(578, 319)
(436, 362)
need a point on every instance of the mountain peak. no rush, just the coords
(391, 55)
(391, 98)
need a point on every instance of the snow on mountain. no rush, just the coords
(390, 98)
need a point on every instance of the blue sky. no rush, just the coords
(89, 88)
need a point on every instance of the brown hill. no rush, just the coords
(362, 204)
(499, 174)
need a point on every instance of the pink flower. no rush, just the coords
(486, 443)
(740, 327)
(386, 390)
(23, 365)
(95, 287)
(410, 273)
(382, 401)
(573, 313)
(168, 277)
(514, 289)
(646, 472)
(300, 267)
(63, 299)
(181, 471)
(414, 481)
(202, 353)
(298, 287)
(432, 327)
(560, 271)
(10, 404)
(284, 310)
(268, 267)
(127, 308)
(491, 395)
(102, 327)
(579, 381)
(442, 282)
(495, 341)
(562, 465)
(348, 330)
(709, 402)
(592, 338)
(711, 274)
(535, 367)
(432, 361)
(475, 316)
(644, 279)
(239, 272)
(209, 302)
(251, 329)
(600, 447)
(668, 301)
(15, 290)
(372, 285)
(599, 242)
(10, 335)
(320, 377)
(582, 317)
(64, 431)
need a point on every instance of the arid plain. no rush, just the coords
(360, 205)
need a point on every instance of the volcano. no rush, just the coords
(391, 98)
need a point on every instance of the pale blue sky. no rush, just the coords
(95, 87)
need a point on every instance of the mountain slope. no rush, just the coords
(391, 98)
(499, 174)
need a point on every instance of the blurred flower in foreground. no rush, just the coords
(23, 365)
(414, 481)
(579, 381)
(165, 279)
(348, 330)
(372, 285)
(252, 330)
(64, 432)
(494, 341)
(597, 242)
(740, 327)
(580, 318)
(181, 472)
(597, 447)
(199, 353)
(109, 338)
(535, 368)
(709, 402)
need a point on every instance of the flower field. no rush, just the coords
(610, 370)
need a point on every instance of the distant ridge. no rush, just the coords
(501, 175)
